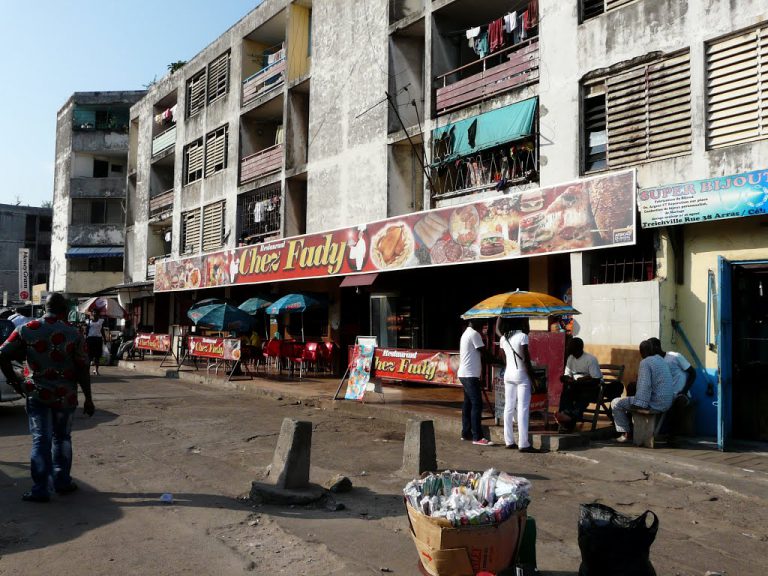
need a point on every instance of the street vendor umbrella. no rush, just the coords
(519, 304)
(208, 302)
(103, 306)
(220, 317)
(294, 303)
(254, 305)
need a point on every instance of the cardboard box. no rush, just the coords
(464, 551)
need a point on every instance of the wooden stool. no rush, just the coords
(646, 424)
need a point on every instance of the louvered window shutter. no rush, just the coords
(737, 88)
(216, 151)
(218, 77)
(191, 223)
(213, 226)
(648, 112)
(194, 161)
(196, 93)
(613, 4)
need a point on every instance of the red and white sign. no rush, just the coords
(153, 342)
(24, 283)
(219, 348)
(427, 366)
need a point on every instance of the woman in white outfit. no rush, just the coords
(518, 376)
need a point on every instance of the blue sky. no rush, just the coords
(52, 48)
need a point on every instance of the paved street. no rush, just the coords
(204, 444)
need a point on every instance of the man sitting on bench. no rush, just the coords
(581, 384)
(654, 391)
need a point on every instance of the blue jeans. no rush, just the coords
(472, 409)
(51, 446)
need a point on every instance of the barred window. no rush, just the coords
(592, 8)
(218, 77)
(259, 214)
(213, 226)
(196, 93)
(193, 161)
(190, 231)
(216, 150)
(737, 88)
(647, 114)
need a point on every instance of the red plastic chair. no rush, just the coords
(311, 356)
(296, 357)
(272, 353)
(328, 354)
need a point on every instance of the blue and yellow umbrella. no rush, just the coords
(519, 304)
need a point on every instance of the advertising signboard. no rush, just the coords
(587, 214)
(25, 287)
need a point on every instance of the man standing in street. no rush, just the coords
(56, 358)
(471, 350)
(654, 391)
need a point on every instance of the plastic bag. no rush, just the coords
(105, 355)
(613, 544)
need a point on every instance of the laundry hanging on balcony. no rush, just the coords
(509, 29)
(484, 131)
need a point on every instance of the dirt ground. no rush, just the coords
(205, 445)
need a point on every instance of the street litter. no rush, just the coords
(166, 498)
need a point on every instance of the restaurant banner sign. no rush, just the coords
(430, 366)
(719, 198)
(153, 342)
(218, 348)
(583, 215)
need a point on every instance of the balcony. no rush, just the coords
(261, 163)
(83, 187)
(164, 140)
(96, 234)
(160, 204)
(500, 72)
(263, 81)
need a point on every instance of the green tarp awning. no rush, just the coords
(484, 131)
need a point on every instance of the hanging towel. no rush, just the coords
(524, 26)
(496, 34)
(510, 22)
(533, 15)
(473, 32)
(481, 45)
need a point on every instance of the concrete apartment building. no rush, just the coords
(308, 116)
(24, 227)
(89, 191)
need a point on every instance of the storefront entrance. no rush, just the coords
(743, 351)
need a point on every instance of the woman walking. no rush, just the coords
(95, 341)
(518, 377)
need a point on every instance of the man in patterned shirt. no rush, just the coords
(57, 361)
(654, 391)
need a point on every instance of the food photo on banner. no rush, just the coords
(153, 342)
(359, 370)
(582, 215)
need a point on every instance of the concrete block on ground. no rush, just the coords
(557, 442)
(290, 463)
(643, 427)
(419, 452)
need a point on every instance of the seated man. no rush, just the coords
(683, 377)
(581, 383)
(654, 391)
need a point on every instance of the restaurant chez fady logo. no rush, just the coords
(299, 254)
(210, 347)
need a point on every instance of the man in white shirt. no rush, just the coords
(581, 384)
(471, 351)
(683, 374)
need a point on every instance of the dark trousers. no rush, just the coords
(472, 409)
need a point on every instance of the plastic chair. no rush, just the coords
(272, 353)
(296, 357)
(311, 355)
(328, 354)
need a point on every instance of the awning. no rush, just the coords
(95, 252)
(484, 131)
(358, 280)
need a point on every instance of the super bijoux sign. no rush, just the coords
(582, 215)
(719, 198)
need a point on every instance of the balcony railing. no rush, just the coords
(500, 72)
(262, 163)
(164, 140)
(263, 81)
(161, 203)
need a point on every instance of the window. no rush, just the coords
(117, 168)
(216, 151)
(213, 226)
(193, 161)
(190, 231)
(218, 77)
(30, 228)
(102, 211)
(196, 93)
(44, 252)
(737, 88)
(259, 214)
(45, 224)
(100, 168)
(592, 8)
(647, 114)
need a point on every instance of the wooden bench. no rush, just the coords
(613, 375)
(646, 424)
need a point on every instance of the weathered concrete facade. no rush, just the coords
(89, 191)
(23, 227)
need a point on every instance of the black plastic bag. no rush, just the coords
(613, 544)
